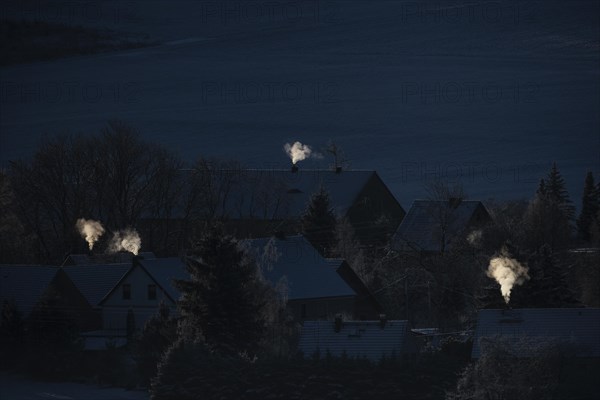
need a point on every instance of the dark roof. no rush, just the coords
(308, 274)
(527, 328)
(281, 194)
(115, 258)
(357, 339)
(162, 270)
(420, 228)
(25, 284)
(94, 281)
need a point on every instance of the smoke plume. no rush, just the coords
(90, 230)
(128, 240)
(474, 238)
(297, 151)
(507, 272)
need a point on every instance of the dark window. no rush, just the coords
(151, 292)
(303, 311)
(126, 291)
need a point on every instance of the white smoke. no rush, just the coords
(90, 230)
(297, 151)
(507, 272)
(474, 238)
(128, 240)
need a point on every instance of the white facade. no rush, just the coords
(134, 292)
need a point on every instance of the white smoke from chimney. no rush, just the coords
(508, 272)
(128, 240)
(297, 151)
(90, 230)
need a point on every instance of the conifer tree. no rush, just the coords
(590, 205)
(548, 217)
(319, 223)
(158, 334)
(556, 191)
(547, 286)
(224, 302)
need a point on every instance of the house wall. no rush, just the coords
(115, 308)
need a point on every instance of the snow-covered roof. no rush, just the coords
(421, 227)
(526, 329)
(94, 281)
(308, 274)
(357, 339)
(24, 284)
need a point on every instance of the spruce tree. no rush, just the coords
(547, 286)
(556, 191)
(590, 205)
(224, 302)
(319, 223)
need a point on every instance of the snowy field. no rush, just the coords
(17, 388)
(487, 92)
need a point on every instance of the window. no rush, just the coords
(303, 310)
(151, 292)
(126, 291)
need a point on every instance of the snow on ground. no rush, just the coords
(18, 388)
(486, 92)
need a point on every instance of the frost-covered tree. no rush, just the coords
(224, 302)
(590, 205)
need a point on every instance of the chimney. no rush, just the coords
(338, 169)
(294, 168)
(382, 320)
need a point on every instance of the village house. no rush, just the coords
(262, 202)
(432, 226)
(140, 291)
(315, 287)
(525, 331)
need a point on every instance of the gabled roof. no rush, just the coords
(421, 227)
(24, 284)
(527, 328)
(357, 339)
(161, 270)
(308, 274)
(282, 194)
(95, 281)
(164, 271)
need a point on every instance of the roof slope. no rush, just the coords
(527, 327)
(421, 227)
(355, 338)
(164, 271)
(24, 284)
(308, 274)
(282, 194)
(115, 258)
(95, 281)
